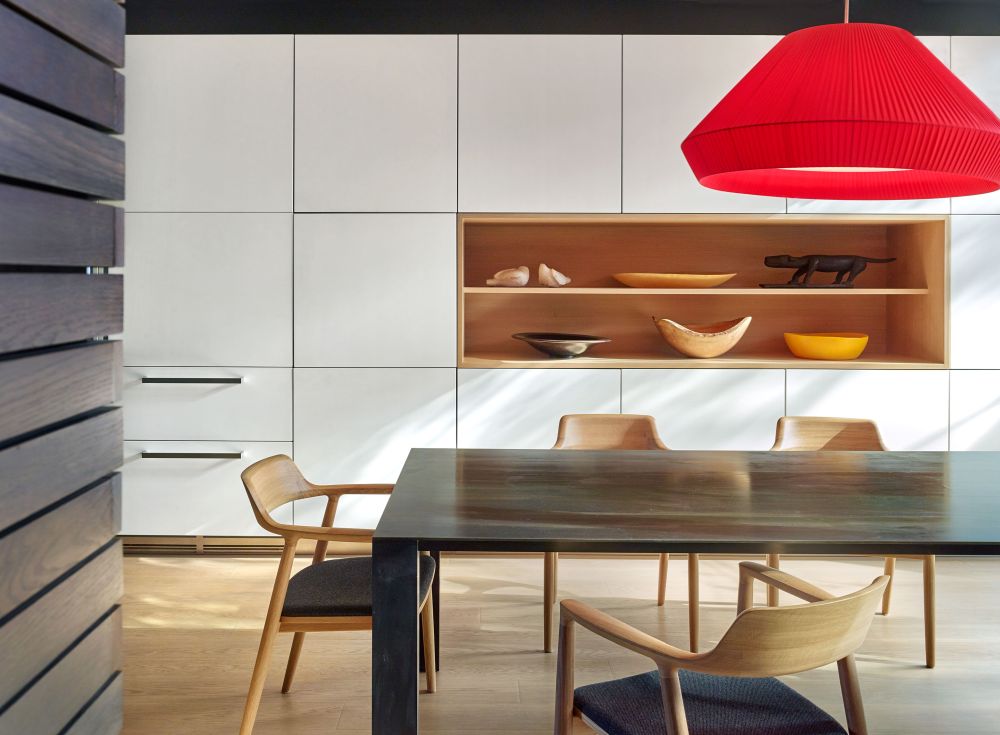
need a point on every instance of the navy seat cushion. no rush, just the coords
(715, 705)
(341, 587)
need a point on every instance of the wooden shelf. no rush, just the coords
(901, 305)
(770, 292)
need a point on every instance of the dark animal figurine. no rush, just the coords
(805, 265)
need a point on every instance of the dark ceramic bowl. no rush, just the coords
(558, 344)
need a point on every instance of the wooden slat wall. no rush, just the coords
(61, 101)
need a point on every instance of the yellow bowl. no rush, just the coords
(673, 280)
(826, 345)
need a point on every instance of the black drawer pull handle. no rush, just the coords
(194, 381)
(191, 455)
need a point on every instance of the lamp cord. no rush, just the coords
(847, 11)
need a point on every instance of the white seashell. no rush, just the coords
(551, 277)
(510, 277)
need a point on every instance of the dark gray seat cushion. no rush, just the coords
(340, 587)
(715, 705)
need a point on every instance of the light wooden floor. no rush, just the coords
(192, 627)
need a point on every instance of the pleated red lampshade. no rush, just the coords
(848, 111)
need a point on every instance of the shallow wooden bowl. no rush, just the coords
(826, 345)
(706, 340)
(673, 280)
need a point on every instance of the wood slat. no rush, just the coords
(96, 25)
(36, 554)
(39, 64)
(44, 388)
(51, 230)
(66, 459)
(104, 715)
(46, 309)
(67, 688)
(45, 148)
(35, 637)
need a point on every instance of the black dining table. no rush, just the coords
(886, 503)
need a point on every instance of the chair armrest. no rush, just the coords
(335, 491)
(335, 535)
(750, 570)
(625, 635)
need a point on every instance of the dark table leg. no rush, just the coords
(394, 637)
(436, 597)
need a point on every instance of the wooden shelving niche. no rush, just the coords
(902, 305)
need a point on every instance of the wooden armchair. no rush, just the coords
(721, 690)
(812, 434)
(600, 431)
(328, 595)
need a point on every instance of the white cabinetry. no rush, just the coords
(976, 61)
(375, 123)
(375, 290)
(975, 298)
(539, 124)
(209, 123)
(670, 84)
(708, 409)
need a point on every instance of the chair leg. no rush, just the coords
(271, 625)
(890, 572)
(551, 580)
(930, 579)
(427, 627)
(773, 560)
(693, 590)
(661, 590)
(293, 661)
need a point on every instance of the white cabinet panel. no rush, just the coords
(975, 275)
(209, 289)
(708, 409)
(358, 425)
(192, 497)
(209, 123)
(976, 61)
(520, 409)
(259, 408)
(940, 46)
(375, 290)
(975, 410)
(539, 123)
(376, 124)
(670, 84)
(909, 406)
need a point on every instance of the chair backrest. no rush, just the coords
(773, 641)
(810, 434)
(271, 483)
(607, 431)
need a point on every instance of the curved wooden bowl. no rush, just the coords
(826, 345)
(707, 340)
(673, 280)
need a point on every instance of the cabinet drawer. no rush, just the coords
(192, 496)
(249, 404)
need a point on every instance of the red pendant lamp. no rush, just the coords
(848, 111)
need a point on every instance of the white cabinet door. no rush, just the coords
(209, 289)
(975, 410)
(670, 84)
(520, 409)
(940, 46)
(209, 123)
(376, 124)
(909, 406)
(976, 61)
(708, 409)
(358, 425)
(195, 496)
(375, 290)
(975, 275)
(259, 408)
(539, 124)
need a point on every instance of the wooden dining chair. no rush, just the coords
(602, 431)
(328, 595)
(809, 434)
(731, 687)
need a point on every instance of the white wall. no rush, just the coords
(291, 207)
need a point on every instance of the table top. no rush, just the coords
(738, 502)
